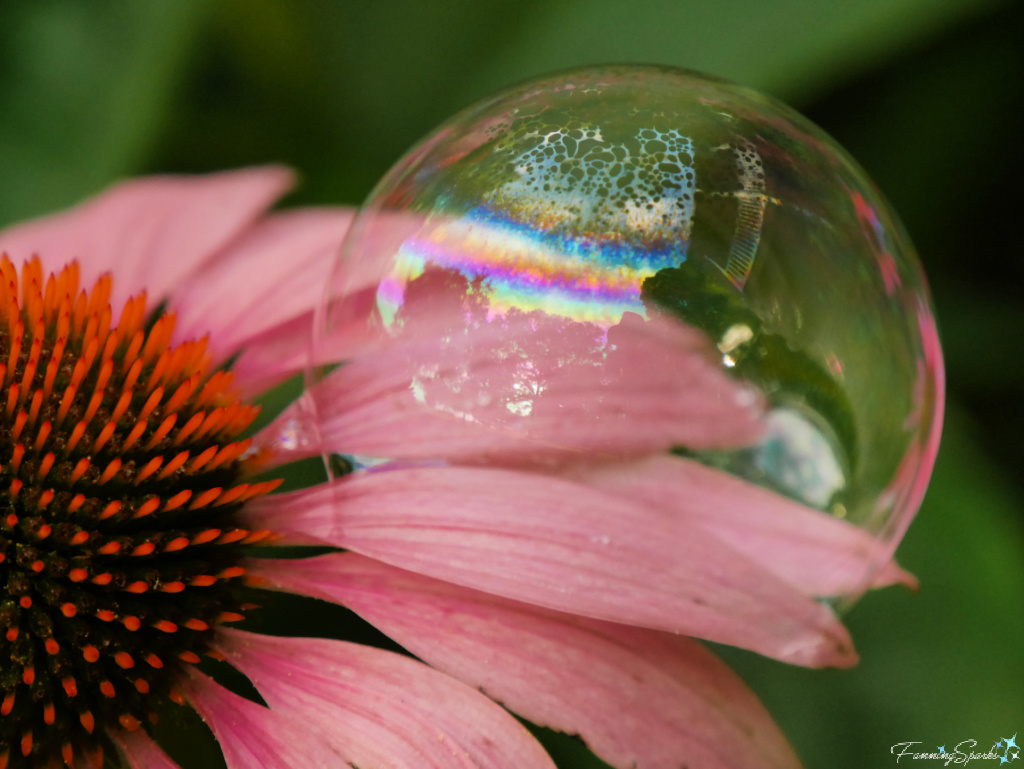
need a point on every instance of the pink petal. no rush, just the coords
(565, 546)
(815, 552)
(254, 737)
(272, 277)
(269, 358)
(274, 351)
(638, 698)
(353, 323)
(140, 751)
(380, 709)
(150, 233)
(528, 388)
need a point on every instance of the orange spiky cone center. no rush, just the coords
(121, 477)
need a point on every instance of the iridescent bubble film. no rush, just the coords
(622, 262)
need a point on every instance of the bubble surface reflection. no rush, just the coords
(633, 262)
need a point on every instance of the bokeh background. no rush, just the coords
(927, 94)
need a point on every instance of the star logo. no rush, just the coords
(1007, 743)
(942, 748)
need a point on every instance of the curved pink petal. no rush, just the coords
(140, 751)
(151, 233)
(380, 709)
(254, 737)
(274, 278)
(638, 698)
(565, 546)
(269, 358)
(815, 552)
(353, 323)
(529, 388)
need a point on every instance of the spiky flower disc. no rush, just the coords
(121, 474)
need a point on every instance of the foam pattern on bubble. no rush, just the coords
(573, 181)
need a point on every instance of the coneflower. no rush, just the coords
(131, 503)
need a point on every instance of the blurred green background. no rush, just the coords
(927, 94)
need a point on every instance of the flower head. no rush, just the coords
(558, 576)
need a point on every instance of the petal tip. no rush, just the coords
(829, 647)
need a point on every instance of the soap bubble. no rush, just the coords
(626, 262)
